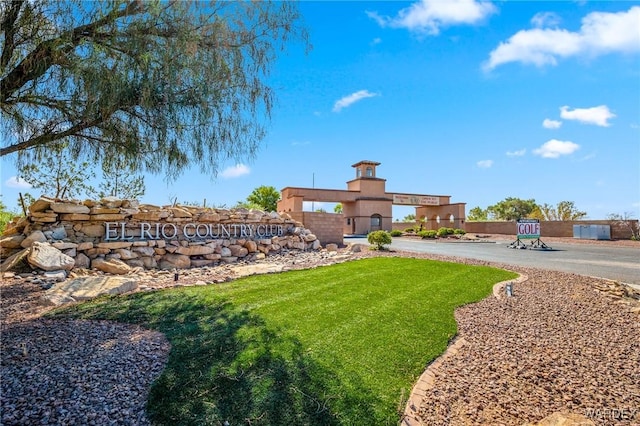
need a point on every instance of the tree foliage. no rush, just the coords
(119, 180)
(265, 197)
(57, 174)
(337, 208)
(565, 210)
(477, 214)
(163, 85)
(626, 220)
(511, 208)
(409, 218)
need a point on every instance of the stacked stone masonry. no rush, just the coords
(114, 235)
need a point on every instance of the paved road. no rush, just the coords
(616, 263)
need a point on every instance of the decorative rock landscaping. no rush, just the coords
(116, 236)
(565, 348)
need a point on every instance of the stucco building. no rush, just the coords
(367, 206)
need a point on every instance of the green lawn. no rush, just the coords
(335, 345)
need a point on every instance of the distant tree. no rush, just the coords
(409, 218)
(511, 209)
(338, 208)
(165, 84)
(246, 205)
(477, 214)
(627, 220)
(320, 210)
(57, 174)
(121, 181)
(565, 210)
(265, 197)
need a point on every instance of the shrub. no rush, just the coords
(379, 239)
(443, 232)
(408, 230)
(427, 234)
(5, 217)
(459, 231)
(396, 233)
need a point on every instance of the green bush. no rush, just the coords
(443, 232)
(427, 234)
(408, 230)
(5, 217)
(396, 233)
(379, 239)
(459, 231)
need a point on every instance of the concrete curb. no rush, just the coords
(427, 379)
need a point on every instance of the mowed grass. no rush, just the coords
(335, 345)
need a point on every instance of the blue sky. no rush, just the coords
(477, 100)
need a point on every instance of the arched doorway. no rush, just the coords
(376, 222)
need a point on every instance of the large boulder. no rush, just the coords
(17, 262)
(175, 261)
(48, 258)
(69, 208)
(32, 238)
(12, 241)
(195, 250)
(85, 288)
(111, 266)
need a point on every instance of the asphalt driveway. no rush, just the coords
(615, 263)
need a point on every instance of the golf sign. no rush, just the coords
(528, 228)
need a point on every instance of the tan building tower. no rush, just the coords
(367, 207)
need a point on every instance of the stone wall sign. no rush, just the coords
(115, 236)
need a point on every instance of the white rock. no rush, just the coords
(48, 258)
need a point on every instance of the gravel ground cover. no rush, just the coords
(564, 342)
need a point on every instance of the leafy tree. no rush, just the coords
(379, 239)
(511, 209)
(477, 214)
(119, 180)
(626, 220)
(338, 208)
(5, 216)
(565, 210)
(265, 197)
(409, 218)
(58, 175)
(165, 85)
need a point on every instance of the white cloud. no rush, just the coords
(376, 40)
(545, 19)
(596, 115)
(351, 99)
(428, 16)
(599, 34)
(518, 153)
(484, 164)
(16, 182)
(235, 171)
(555, 148)
(551, 124)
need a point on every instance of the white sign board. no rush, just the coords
(416, 200)
(528, 228)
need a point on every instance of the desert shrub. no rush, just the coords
(6, 216)
(408, 230)
(379, 239)
(427, 234)
(459, 231)
(396, 233)
(443, 232)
